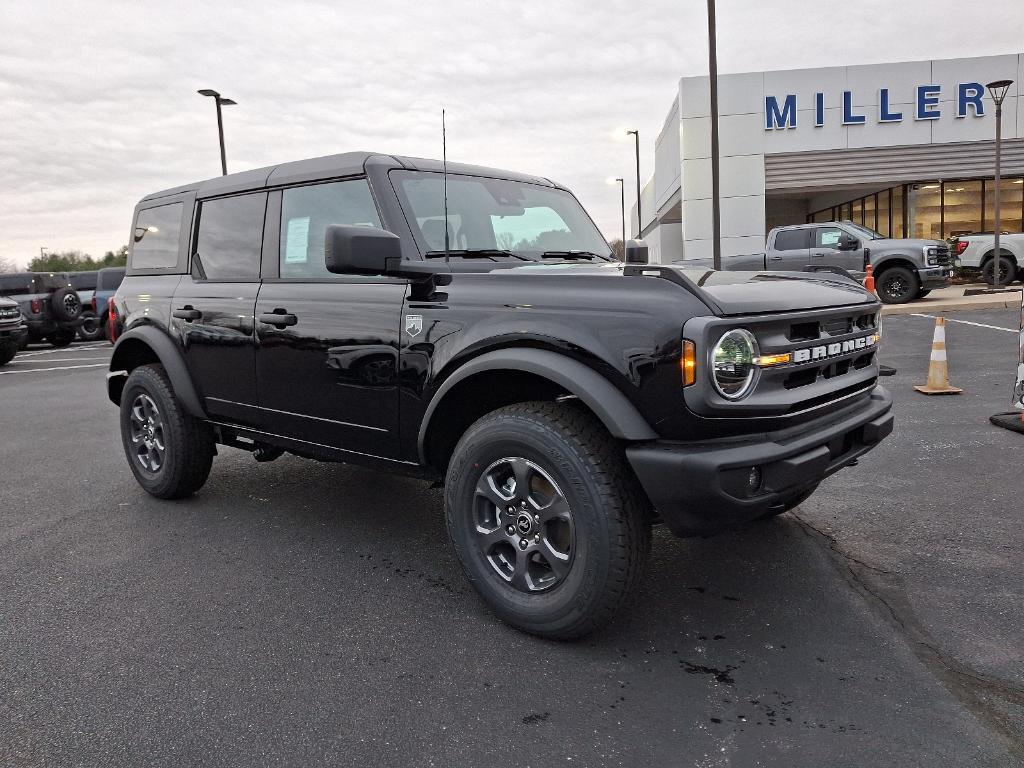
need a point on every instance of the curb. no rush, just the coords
(1009, 301)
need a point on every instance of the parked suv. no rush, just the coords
(13, 330)
(84, 284)
(51, 307)
(107, 281)
(473, 327)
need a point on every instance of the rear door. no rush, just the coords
(326, 344)
(790, 250)
(213, 306)
(825, 250)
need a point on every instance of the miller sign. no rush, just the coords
(925, 106)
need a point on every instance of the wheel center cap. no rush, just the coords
(524, 523)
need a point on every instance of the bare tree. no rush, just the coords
(618, 249)
(7, 265)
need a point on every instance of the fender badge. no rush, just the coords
(413, 324)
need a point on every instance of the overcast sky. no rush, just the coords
(98, 101)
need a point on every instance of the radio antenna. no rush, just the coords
(444, 177)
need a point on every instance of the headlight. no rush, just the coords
(931, 254)
(733, 367)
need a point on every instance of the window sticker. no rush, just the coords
(296, 250)
(830, 237)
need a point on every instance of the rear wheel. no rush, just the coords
(169, 451)
(7, 352)
(90, 329)
(1007, 270)
(61, 338)
(897, 285)
(551, 528)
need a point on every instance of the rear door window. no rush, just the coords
(155, 237)
(792, 240)
(229, 240)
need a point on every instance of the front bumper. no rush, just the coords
(15, 333)
(934, 277)
(702, 487)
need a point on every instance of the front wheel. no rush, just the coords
(61, 338)
(897, 285)
(7, 352)
(550, 526)
(169, 451)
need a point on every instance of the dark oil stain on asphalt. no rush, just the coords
(535, 718)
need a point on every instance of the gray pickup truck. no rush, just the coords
(903, 269)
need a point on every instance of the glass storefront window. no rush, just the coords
(869, 212)
(857, 214)
(897, 211)
(963, 207)
(883, 212)
(1009, 205)
(924, 210)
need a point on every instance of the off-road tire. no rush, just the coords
(1007, 270)
(91, 329)
(7, 352)
(610, 513)
(897, 285)
(65, 304)
(188, 441)
(61, 338)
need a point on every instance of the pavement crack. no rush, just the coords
(884, 590)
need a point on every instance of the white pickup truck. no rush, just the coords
(975, 252)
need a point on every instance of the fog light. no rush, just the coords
(754, 480)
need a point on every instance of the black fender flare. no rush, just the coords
(609, 404)
(896, 260)
(170, 357)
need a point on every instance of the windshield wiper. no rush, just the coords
(572, 255)
(472, 253)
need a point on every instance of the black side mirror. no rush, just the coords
(361, 250)
(848, 242)
(636, 252)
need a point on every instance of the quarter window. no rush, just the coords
(230, 238)
(306, 212)
(791, 240)
(155, 237)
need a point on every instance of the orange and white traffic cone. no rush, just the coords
(938, 369)
(869, 279)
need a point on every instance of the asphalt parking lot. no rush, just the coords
(299, 613)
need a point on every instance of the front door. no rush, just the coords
(327, 345)
(212, 309)
(825, 250)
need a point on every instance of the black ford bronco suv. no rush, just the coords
(472, 327)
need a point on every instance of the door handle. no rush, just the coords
(187, 313)
(818, 255)
(279, 318)
(774, 258)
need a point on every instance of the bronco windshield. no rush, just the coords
(494, 217)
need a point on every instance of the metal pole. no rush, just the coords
(622, 196)
(716, 219)
(220, 134)
(999, 137)
(639, 216)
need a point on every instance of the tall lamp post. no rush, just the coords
(622, 202)
(639, 217)
(220, 101)
(998, 90)
(716, 214)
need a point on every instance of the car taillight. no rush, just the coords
(961, 246)
(94, 307)
(112, 331)
(37, 306)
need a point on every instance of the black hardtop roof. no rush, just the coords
(327, 167)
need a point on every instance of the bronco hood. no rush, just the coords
(746, 293)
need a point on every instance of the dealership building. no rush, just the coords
(906, 149)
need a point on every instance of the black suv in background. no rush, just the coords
(13, 330)
(50, 305)
(472, 327)
(85, 284)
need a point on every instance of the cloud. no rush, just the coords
(99, 105)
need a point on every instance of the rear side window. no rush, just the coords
(306, 212)
(109, 279)
(230, 238)
(155, 237)
(792, 240)
(14, 285)
(83, 281)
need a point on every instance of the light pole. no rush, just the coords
(639, 218)
(622, 202)
(42, 251)
(220, 101)
(716, 216)
(998, 89)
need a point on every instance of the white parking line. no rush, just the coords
(968, 322)
(49, 360)
(65, 350)
(58, 368)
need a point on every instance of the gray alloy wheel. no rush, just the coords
(523, 524)
(147, 433)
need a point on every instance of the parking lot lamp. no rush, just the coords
(639, 218)
(998, 90)
(622, 202)
(716, 213)
(220, 101)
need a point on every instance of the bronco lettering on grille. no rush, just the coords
(825, 351)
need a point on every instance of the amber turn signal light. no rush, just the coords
(689, 363)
